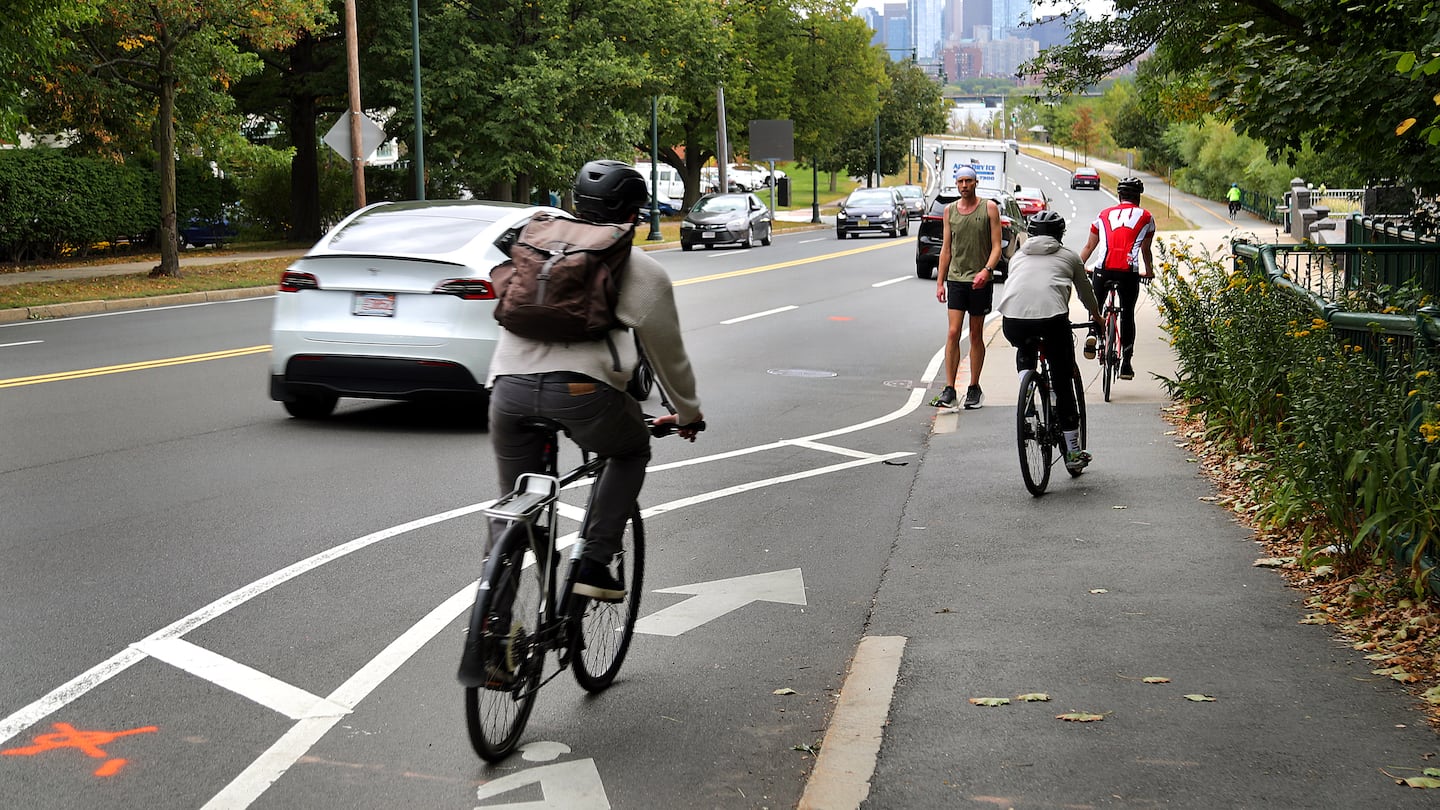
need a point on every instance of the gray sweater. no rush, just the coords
(1041, 275)
(647, 305)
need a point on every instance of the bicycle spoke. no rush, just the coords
(601, 631)
(504, 635)
(1032, 434)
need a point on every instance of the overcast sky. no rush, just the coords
(1039, 9)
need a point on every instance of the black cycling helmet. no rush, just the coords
(1130, 187)
(1046, 223)
(609, 191)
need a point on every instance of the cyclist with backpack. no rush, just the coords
(1036, 304)
(1124, 234)
(581, 383)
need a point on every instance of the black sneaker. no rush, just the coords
(1127, 372)
(596, 581)
(974, 397)
(946, 398)
(1090, 343)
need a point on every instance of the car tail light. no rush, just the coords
(930, 218)
(295, 282)
(1006, 222)
(467, 289)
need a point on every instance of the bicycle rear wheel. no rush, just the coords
(503, 657)
(1080, 408)
(1032, 433)
(1110, 368)
(601, 631)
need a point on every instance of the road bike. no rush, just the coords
(1037, 432)
(1110, 340)
(1234, 208)
(520, 616)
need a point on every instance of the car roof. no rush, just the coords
(1086, 170)
(423, 228)
(1029, 191)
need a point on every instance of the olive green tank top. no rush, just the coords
(969, 240)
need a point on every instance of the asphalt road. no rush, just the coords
(211, 605)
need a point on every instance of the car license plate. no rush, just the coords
(375, 304)
(864, 223)
(707, 235)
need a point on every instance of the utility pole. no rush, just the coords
(352, 61)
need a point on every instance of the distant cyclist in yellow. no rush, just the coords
(1233, 195)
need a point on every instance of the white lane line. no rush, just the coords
(272, 693)
(899, 280)
(277, 759)
(73, 689)
(703, 497)
(21, 343)
(840, 779)
(830, 448)
(775, 311)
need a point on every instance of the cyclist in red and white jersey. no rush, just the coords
(1124, 234)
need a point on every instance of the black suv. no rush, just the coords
(932, 231)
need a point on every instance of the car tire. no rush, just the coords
(839, 234)
(686, 246)
(769, 231)
(311, 406)
(921, 271)
(749, 236)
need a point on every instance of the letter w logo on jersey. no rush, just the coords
(1127, 217)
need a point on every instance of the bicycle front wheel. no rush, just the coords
(504, 656)
(602, 630)
(1032, 434)
(1080, 409)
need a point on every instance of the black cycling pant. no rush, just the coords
(1128, 283)
(1059, 346)
(604, 420)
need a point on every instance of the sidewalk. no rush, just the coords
(1127, 572)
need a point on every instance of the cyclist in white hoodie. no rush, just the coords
(1035, 303)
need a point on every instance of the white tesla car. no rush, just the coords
(394, 303)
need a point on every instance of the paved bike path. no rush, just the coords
(1125, 573)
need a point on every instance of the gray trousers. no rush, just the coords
(600, 419)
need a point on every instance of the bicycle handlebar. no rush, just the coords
(659, 431)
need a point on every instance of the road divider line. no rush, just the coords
(829, 448)
(21, 343)
(78, 374)
(227, 673)
(765, 268)
(775, 311)
(899, 280)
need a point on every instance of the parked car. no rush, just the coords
(726, 219)
(395, 302)
(932, 232)
(914, 199)
(749, 175)
(878, 210)
(710, 181)
(204, 233)
(1085, 177)
(1013, 144)
(1032, 200)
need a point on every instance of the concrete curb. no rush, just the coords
(51, 311)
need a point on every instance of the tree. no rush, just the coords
(36, 36)
(1285, 74)
(163, 61)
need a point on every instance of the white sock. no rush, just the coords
(1072, 441)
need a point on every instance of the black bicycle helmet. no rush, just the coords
(609, 191)
(1046, 223)
(1130, 187)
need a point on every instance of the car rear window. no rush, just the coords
(871, 196)
(407, 230)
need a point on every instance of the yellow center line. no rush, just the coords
(58, 376)
(768, 267)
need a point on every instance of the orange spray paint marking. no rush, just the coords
(89, 742)
(841, 318)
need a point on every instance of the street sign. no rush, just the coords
(371, 136)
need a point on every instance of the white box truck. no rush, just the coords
(989, 159)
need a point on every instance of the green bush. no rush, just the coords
(1335, 444)
(53, 205)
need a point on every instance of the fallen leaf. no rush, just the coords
(1209, 498)
(1432, 695)
(1200, 698)
(944, 610)
(1080, 717)
(1323, 570)
(1119, 507)
(1155, 679)
(1033, 697)
(812, 750)
(1098, 590)
(785, 691)
(990, 701)
(1421, 782)
(1432, 771)
(1272, 562)
(1316, 618)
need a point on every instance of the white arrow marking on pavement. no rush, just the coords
(563, 786)
(712, 600)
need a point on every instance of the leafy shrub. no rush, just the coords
(52, 204)
(1339, 444)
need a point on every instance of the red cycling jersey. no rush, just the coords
(1122, 230)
